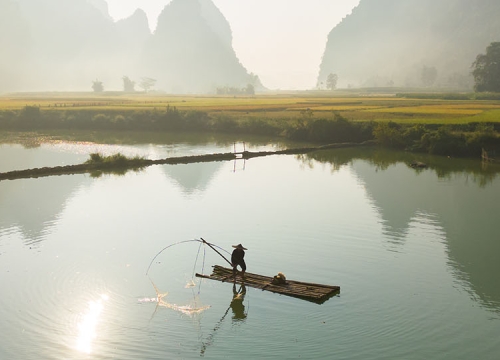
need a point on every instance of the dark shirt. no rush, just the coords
(237, 258)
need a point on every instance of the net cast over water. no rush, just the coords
(194, 305)
(193, 308)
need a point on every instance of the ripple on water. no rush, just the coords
(73, 312)
(63, 310)
(6, 232)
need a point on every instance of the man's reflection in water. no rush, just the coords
(239, 315)
(237, 303)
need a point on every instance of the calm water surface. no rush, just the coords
(415, 254)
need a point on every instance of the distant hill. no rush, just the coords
(102, 6)
(71, 43)
(394, 42)
(57, 45)
(191, 49)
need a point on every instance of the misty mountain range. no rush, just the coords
(63, 45)
(389, 42)
(67, 44)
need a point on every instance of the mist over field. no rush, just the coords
(411, 43)
(67, 45)
(59, 45)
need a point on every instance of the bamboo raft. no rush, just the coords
(316, 293)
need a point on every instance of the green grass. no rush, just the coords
(117, 164)
(112, 160)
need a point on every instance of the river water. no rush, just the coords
(415, 253)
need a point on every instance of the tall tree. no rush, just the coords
(486, 69)
(429, 75)
(97, 86)
(250, 89)
(128, 85)
(147, 83)
(331, 81)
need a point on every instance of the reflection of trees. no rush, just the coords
(465, 206)
(474, 170)
(31, 143)
(133, 138)
(32, 206)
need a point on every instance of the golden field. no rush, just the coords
(355, 107)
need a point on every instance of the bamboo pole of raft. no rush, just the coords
(317, 293)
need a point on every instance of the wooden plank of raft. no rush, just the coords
(317, 293)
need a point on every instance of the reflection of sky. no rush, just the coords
(61, 153)
(16, 157)
(327, 227)
(466, 213)
(192, 177)
(33, 205)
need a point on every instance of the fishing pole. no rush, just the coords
(202, 241)
(202, 266)
(214, 249)
(196, 260)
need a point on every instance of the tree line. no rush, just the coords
(450, 140)
(146, 84)
(485, 71)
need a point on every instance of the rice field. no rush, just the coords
(361, 107)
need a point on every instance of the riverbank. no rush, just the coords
(450, 125)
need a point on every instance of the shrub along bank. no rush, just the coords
(449, 140)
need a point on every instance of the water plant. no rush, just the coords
(117, 159)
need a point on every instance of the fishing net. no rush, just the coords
(194, 306)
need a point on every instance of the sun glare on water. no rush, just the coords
(87, 327)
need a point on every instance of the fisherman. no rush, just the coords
(237, 259)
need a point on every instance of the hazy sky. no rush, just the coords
(282, 41)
